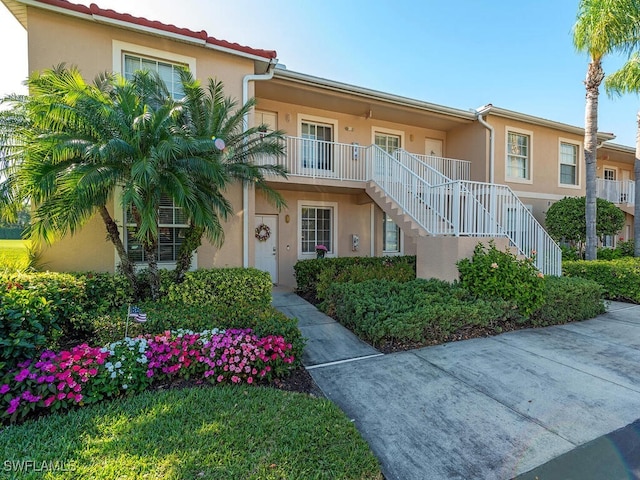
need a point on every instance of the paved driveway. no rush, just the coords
(489, 408)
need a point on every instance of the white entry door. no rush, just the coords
(266, 250)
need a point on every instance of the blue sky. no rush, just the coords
(463, 54)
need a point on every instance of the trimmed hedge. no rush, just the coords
(433, 311)
(307, 272)
(567, 300)
(620, 278)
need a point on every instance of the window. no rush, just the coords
(390, 235)
(172, 225)
(316, 228)
(168, 72)
(388, 142)
(568, 163)
(317, 146)
(269, 119)
(518, 155)
(610, 174)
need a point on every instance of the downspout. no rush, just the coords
(479, 114)
(245, 186)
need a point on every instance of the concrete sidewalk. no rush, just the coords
(490, 408)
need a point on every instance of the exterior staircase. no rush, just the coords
(424, 202)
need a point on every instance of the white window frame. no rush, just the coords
(174, 226)
(578, 146)
(334, 227)
(387, 131)
(119, 48)
(333, 123)
(519, 131)
(610, 168)
(259, 116)
(400, 238)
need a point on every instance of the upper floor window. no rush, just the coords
(388, 142)
(172, 224)
(609, 173)
(568, 163)
(518, 155)
(167, 71)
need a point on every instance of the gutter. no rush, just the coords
(245, 186)
(479, 114)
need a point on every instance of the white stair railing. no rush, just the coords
(462, 207)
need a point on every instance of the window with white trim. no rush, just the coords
(518, 155)
(390, 235)
(610, 174)
(167, 71)
(568, 163)
(316, 228)
(388, 142)
(172, 224)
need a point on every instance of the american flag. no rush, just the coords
(137, 315)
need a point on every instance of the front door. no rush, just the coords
(266, 244)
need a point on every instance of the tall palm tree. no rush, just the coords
(603, 27)
(70, 146)
(627, 80)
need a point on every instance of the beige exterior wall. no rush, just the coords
(471, 142)
(54, 39)
(350, 128)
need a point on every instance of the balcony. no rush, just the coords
(340, 162)
(616, 191)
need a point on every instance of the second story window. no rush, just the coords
(168, 71)
(568, 163)
(389, 143)
(518, 156)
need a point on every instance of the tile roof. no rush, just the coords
(202, 35)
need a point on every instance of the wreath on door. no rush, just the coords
(263, 232)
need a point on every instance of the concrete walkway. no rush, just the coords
(490, 408)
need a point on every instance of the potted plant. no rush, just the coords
(321, 251)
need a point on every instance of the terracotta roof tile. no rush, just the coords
(144, 22)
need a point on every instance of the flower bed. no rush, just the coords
(84, 374)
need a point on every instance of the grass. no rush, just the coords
(210, 433)
(14, 254)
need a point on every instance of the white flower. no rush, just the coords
(113, 374)
(118, 364)
(125, 386)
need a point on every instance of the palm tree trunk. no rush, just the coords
(636, 205)
(114, 236)
(151, 255)
(192, 240)
(595, 75)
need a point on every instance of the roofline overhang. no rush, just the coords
(543, 122)
(619, 148)
(368, 94)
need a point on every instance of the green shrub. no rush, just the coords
(356, 273)
(492, 273)
(222, 287)
(27, 324)
(419, 310)
(626, 249)
(620, 278)
(605, 253)
(570, 253)
(568, 299)
(307, 272)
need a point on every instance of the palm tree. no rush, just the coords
(208, 117)
(603, 27)
(627, 80)
(70, 145)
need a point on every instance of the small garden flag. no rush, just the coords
(137, 315)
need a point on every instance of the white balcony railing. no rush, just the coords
(616, 191)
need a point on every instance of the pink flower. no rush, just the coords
(49, 401)
(14, 403)
(494, 265)
(4, 389)
(250, 380)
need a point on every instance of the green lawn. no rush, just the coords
(14, 254)
(209, 433)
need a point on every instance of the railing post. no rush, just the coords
(456, 209)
